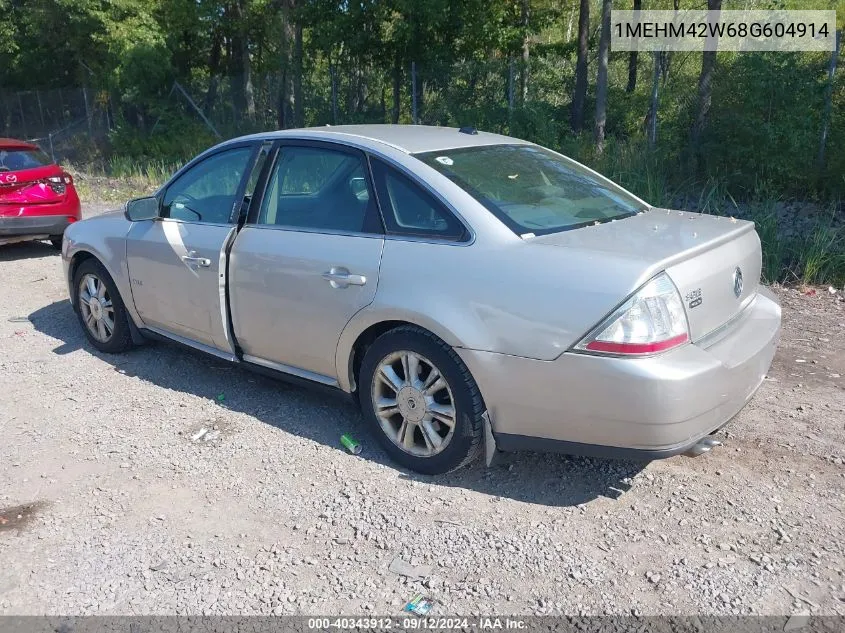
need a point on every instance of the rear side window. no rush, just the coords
(20, 159)
(410, 210)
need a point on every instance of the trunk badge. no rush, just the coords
(738, 282)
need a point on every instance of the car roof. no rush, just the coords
(11, 143)
(410, 139)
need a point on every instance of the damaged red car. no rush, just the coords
(37, 197)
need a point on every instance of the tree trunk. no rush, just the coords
(601, 80)
(286, 46)
(243, 95)
(651, 116)
(705, 84)
(526, 51)
(249, 90)
(828, 100)
(632, 59)
(298, 103)
(580, 97)
(214, 72)
(397, 88)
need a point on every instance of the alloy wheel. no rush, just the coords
(96, 308)
(413, 403)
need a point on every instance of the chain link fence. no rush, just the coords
(489, 94)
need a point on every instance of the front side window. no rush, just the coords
(207, 191)
(319, 188)
(531, 189)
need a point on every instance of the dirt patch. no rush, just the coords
(18, 517)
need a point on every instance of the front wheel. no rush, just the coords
(421, 401)
(100, 308)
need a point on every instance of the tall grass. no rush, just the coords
(153, 172)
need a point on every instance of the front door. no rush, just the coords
(175, 260)
(307, 260)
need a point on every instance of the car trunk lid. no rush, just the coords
(715, 262)
(28, 187)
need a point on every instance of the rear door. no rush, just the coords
(177, 261)
(307, 260)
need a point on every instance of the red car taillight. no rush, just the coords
(652, 320)
(59, 184)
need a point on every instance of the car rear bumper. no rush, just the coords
(34, 225)
(645, 408)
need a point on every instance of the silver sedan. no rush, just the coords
(471, 291)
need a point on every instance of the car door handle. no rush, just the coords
(340, 277)
(192, 260)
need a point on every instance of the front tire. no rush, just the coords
(421, 401)
(100, 309)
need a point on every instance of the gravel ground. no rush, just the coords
(110, 504)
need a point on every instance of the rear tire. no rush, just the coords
(100, 309)
(56, 241)
(420, 401)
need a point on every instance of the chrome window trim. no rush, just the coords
(301, 229)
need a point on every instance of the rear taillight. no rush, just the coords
(59, 183)
(652, 320)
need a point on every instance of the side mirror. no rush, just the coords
(141, 209)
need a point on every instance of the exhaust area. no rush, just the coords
(704, 445)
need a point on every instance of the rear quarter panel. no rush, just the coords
(511, 298)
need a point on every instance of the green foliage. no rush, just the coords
(759, 146)
(174, 139)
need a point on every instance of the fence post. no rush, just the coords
(196, 108)
(87, 109)
(23, 118)
(52, 152)
(40, 110)
(414, 93)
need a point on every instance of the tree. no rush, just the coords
(601, 80)
(705, 84)
(240, 61)
(526, 49)
(828, 99)
(580, 97)
(633, 58)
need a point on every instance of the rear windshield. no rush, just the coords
(531, 189)
(18, 159)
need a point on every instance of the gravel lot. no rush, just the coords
(125, 512)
